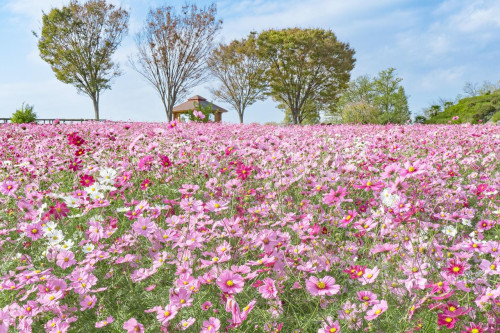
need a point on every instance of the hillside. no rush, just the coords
(471, 109)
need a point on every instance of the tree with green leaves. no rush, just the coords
(241, 74)
(383, 92)
(304, 65)
(173, 49)
(311, 113)
(390, 98)
(78, 41)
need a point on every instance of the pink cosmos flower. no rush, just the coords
(323, 286)
(205, 306)
(9, 187)
(367, 297)
(330, 326)
(34, 231)
(75, 164)
(211, 325)
(186, 323)
(455, 267)
(132, 326)
(230, 282)
(59, 210)
(143, 226)
(166, 314)
(376, 310)
(65, 259)
(473, 328)
(5, 321)
(369, 276)
(146, 184)
(104, 322)
(268, 289)
(86, 180)
(447, 320)
(490, 268)
(88, 302)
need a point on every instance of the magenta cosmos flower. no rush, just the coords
(211, 325)
(268, 289)
(230, 282)
(323, 286)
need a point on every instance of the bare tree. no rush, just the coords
(241, 73)
(173, 50)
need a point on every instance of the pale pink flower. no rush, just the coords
(211, 325)
(65, 259)
(104, 322)
(376, 310)
(132, 326)
(323, 286)
(268, 289)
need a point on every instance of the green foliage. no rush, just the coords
(360, 112)
(471, 110)
(207, 112)
(240, 72)
(383, 92)
(24, 115)
(420, 119)
(305, 65)
(78, 41)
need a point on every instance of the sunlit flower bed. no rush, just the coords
(140, 227)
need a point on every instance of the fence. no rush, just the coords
(50, 121)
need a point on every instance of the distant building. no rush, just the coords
(202, 102)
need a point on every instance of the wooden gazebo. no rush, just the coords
(202, 102)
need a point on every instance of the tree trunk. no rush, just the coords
(95, 101)
(169, 114)
(240, 114)
(295, 117)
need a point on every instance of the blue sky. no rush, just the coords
(436, 47)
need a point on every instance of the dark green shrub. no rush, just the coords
(24, 115)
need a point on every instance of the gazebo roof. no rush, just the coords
(189, 105)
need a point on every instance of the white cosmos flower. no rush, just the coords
(466, 222)
(49, 226)
(96, 195)
(123, 209)
(71, 202)
(450, 231)
(68, 244)
(107, 175)
(87, 248)
(55, 237)
(96, 187)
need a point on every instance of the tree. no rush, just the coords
(382, 92)
(311, 113)
(78, 41)
(390, 98)
(304, 65)
(241, 73)
(173, 50)
(360, 112)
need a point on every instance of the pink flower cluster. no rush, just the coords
(139, 227)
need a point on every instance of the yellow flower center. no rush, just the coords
(34, 231)
(448, 319)
(333, 330)
(456, 269)
(493, 266)
(230, 283)
(348, 217)
(411, 169)
(167, 313)
(321, 285)
(378, 311)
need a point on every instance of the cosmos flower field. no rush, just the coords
(167, 227)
